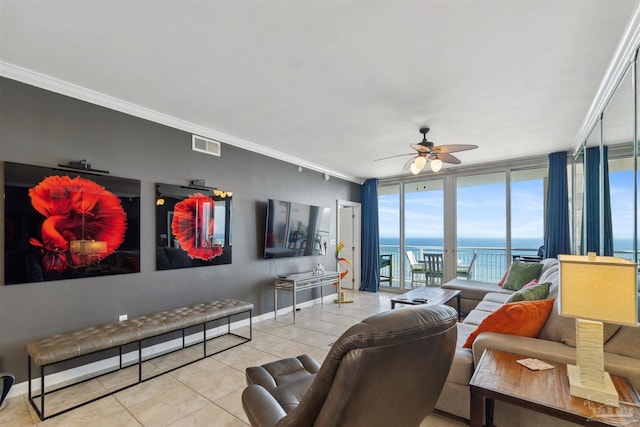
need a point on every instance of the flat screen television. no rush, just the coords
(295, 229)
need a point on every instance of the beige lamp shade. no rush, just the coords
(598, 288)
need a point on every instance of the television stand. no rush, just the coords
(301, 282)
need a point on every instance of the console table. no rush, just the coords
(300, 282)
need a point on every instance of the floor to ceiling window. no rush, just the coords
(481, 224)
(528, 198)
(478, 220)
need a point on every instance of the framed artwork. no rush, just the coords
(62, 224)
(193, 226)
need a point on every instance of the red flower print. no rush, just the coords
(76, 209)
(192, 225)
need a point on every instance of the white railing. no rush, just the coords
(489, 266)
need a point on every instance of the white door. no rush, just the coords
(349, 235)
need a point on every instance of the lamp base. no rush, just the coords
(602, 393)
(342, 300)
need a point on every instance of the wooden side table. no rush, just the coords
(498, 376)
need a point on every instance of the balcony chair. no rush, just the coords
(465, 270)
(387, 370)
(433, 266)
(386, 268)
(417, 269)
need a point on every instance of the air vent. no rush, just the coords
(204, 145)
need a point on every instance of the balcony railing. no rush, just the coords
(489, 266)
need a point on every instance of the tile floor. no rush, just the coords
(207, 393)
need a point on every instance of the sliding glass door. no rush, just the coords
(423, 231)
(389, 229)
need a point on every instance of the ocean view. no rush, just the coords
(490, 263)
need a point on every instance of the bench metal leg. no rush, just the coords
(204, 338)
(140, 361)
(42, 391)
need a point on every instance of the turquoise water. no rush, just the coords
(491, 262)
(474, 242)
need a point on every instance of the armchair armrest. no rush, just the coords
(262, 409)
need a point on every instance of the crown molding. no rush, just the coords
(622, 58)
(62, 87)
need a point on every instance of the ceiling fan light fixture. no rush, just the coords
(414, 168)
(436, 164)
(420, 162)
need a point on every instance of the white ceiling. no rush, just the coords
(331, 85)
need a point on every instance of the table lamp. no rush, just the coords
(595, 289)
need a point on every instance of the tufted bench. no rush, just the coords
(48, 351)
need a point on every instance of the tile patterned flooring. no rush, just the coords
(207, 393)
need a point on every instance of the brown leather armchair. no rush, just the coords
(387, 370)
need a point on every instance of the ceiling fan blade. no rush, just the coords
(448, 158)
(421, 148)
(454, 148)
(408, 164)
(397, 155)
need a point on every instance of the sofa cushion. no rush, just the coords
(531, 293)
(500, 297)
(550, 269)
(525, 318)
(563, 329)
(475, 317)
(626, 342)
(489, 306)
(521, 273)
(473, 289)
(462, 365)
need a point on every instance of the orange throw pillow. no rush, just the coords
(504, 278)
(525, 318)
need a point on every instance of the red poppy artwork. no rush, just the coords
(193, 227)
(84, 223)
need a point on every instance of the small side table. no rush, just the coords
(498, 376)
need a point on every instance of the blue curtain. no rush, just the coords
(592, 204)
(556, 233)
(370, 238)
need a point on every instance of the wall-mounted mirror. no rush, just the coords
(617, 137)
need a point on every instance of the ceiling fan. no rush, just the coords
(428, 152)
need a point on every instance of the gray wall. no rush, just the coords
(42, 128)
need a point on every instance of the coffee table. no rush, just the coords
(427, 295)
(498, 376)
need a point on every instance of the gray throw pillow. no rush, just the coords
(521, 273)
(531, 293)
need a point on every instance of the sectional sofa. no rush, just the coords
(555, 342)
